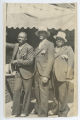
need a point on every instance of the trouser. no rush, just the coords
(61, 92)
(27, 86)
(54, 106)
(42, 95)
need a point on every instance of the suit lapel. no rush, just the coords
(22, 52)
(60, 52)
(38, 50)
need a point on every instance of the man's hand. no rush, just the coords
(64, 56)
(70, 80)
(14, 62)
(44, 79)
(69, 76)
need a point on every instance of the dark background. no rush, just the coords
(33, 40)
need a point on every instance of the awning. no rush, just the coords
(59, 16)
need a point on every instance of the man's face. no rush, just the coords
(59, 42)
(22, 37)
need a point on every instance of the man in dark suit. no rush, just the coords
(43, 65)
(23, 60)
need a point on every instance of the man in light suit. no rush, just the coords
(63, 70)
(23, 60)
(44, 58)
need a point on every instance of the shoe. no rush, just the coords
(15, 115)
(54, 111)
(12, 116)
(23, 115)
(33, 111)
(64, 113)
(50, 113)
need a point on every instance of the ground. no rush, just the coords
(9, 105)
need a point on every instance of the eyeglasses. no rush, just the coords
(59, 38)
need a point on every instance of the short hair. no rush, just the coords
(23, 32)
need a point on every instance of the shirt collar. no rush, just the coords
(21, 47)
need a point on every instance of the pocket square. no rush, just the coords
(43, 52)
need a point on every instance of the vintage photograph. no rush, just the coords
(40, 60)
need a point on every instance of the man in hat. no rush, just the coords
(44, 58)
(23, 60)
(63, 70)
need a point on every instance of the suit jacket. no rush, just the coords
(25, 58)
(64, 67)
(44, 58)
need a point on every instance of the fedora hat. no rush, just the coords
(61, 35)
(44, 33)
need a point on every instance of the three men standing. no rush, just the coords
(60, 60)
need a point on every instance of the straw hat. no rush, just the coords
(61, 35)
(44, 33)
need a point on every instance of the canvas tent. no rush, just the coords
(41, 16)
